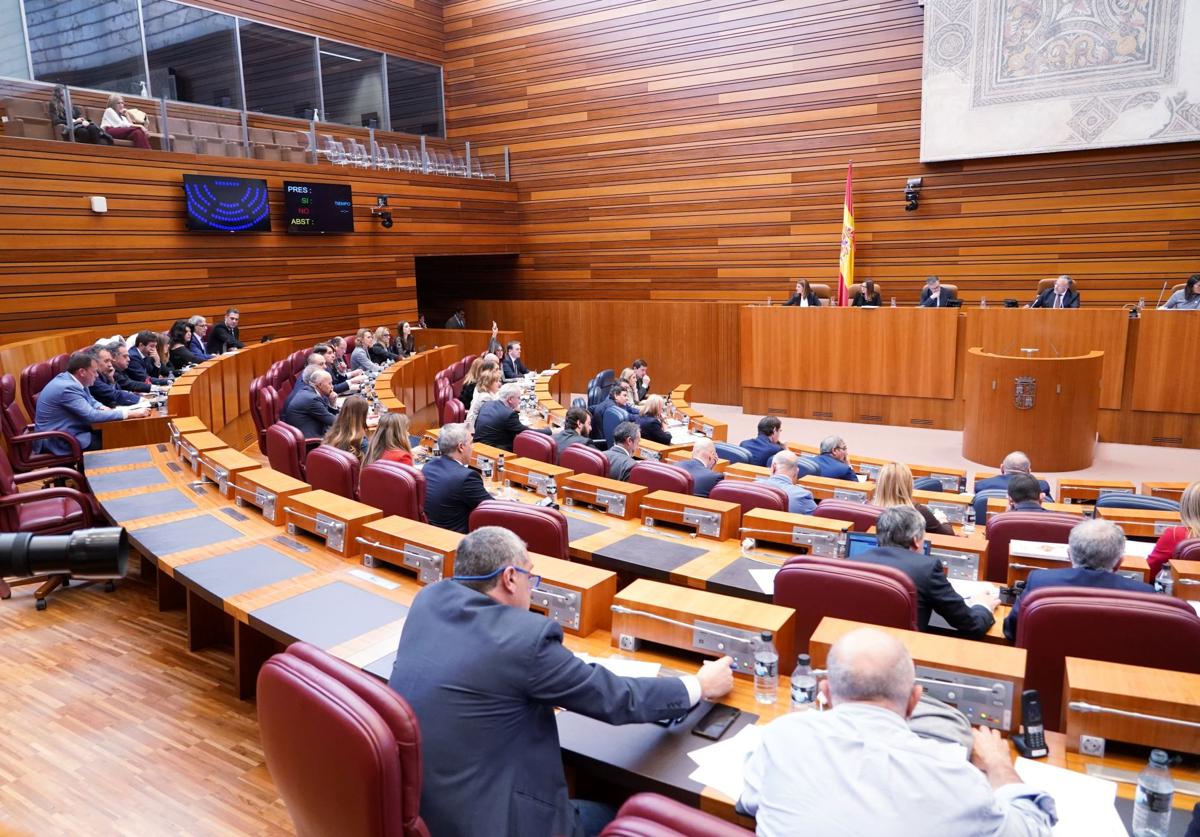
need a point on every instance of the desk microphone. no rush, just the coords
(1160, 294)
(1083, 706)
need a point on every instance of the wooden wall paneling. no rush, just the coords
(1167, 343)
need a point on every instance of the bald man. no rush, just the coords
(785, 468)
(700, 466)
(859, 769)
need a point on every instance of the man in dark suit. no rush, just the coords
(511, 367)
(700, 466)
(307, 408)
(1015, 463)
(143, 359)
(576, 430)
(1095, 548)
(620, 453)
(615, 410)
(121, 376)
(833, 460)
(900, 531)
(458, 319)
(498, 422)
(1062, 295)
(1024, 494)
(225, 335)
(104, 389)
(766, 444)
(452, 488)
(641, 374)
(199, 329)
(484, 676)
(934, 295)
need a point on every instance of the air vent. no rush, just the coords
(1175, 441)
(821, 415)
(777, 411)
(921, 422)
(871, 419)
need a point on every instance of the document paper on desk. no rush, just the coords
(765, 579)
(1086, 805)
(964, 588)
(621, 667)
(723, 765)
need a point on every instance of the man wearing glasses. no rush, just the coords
(832, 460)
(484, 676)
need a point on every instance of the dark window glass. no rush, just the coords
(13, 63)
(415, 97)
(87, 43)
(193, 54)
(351, 85)
(280, 71)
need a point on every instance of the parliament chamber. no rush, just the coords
(596, 183)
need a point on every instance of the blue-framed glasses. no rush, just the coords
(534, 580)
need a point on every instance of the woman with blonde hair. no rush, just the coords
(652, 421)
(116, 123)
(471, 380)
(379, 352)
(1168, 541)
(349, 430)
(360, 358)
(894, 487)
(390, 442)
(485, 390)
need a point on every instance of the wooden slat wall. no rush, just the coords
(65, 267)
(698, 150)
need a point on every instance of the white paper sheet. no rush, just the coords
(722, 765)
(623, 668)
(765, 579)
(1086, 805)
(1195, 607)
(967, 589)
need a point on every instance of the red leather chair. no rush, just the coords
(1050, 527)
(260, 427)
(652, 815)
(20, 436)
(584, 460)
(33, 380)
(862, 515)
(343, 749)
(818, 587)
(660, 476)
(534, 445)
(46, 511)
(1188, 550)
(298, 360)
(750, 495)
(58, 363)
(544, 530)
(453, 412)
(286, 450)
(269, 404)
(393, 488)
(1119, 626)
(332, 469)
(349, 345)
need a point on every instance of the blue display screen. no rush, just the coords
(226, 204)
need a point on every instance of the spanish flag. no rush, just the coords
(846, 260)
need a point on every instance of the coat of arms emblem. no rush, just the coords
(1025, 392)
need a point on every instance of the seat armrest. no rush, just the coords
(30, 438)
(79, 498)
(55, 473)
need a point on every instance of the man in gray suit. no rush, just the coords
(484, 676)
(620, 455)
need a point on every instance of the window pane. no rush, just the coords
(193, 54)
(87, 43)
(280, 70)
(352, 85)
(12, 41)
(415, 97)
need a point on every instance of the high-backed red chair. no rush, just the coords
(453, 412)
(34, 378)
(58, 363)
(393, 488)
(584, 460)
(1049, 527)
(1119, 626)
(661, 476)
(651, 815)
(332, 469)
(260, 427)
(817, 587)
(269, 404)
(20, 437)
(286, 450)
(544, 530)
(297, 360)
(862, 515)
(750, 495)
(534, 445)
(343, 749)
(1188, 550)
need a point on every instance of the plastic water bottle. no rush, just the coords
(1165, 581)
(500, 463)
(893, 302)
(969, 521)
(766, 669)
(804, 684)
(1152, 805)
(485, 468)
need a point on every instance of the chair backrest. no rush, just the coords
(1137, 501)
(58, 363)
(534, 445)
(862, 515)
(806, 466)
(543, 529)
(453, 412)
(12, 417)
(750, 495)
(929, 484)
(1049, 527)
(34, 378)
(821, 290)
(260, 427)
(604, 382)
(732, 453)
(584, 460)
(343, 749)
(579, 401)
(269, 404)
(298, 360)
(1119, 626)
(332, 469)
(285, 449)
(1048, 283)
(818, 587)
(979, 504)
(660, 476)
(393, 488)
(594, 395)
(651, 815)
(1188, 550)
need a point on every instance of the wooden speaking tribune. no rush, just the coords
(1048, 407)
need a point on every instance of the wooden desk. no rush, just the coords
(465, 341)
(134, 432)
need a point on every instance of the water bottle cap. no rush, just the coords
(804, 660)
(1159, 757)
(766, 636)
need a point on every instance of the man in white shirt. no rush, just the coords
(859, 769)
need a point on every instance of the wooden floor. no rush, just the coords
(110, 726)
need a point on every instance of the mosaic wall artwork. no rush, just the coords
(1008, 77)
